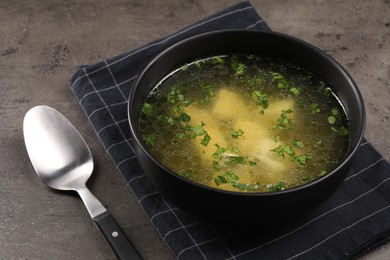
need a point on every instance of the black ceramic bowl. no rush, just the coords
(254, 209)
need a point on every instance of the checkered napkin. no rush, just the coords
(355, 218)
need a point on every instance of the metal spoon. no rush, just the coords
(63, 161)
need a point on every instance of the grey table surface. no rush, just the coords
(43, 42)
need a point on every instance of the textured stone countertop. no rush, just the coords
(43, 42)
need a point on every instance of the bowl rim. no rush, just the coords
(348, 156)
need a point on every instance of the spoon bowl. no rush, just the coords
(63, 161)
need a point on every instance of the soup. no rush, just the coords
(245, 123)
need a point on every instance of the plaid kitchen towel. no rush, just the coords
(352, 220)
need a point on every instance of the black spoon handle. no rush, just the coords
(115, 237)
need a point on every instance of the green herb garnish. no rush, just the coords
(252, 163)
(301, 159)
(238, 159)
(295, 90)
(282, 83)
(237, 133)
(276, 187)
(335, 111)
(255, 81)
(317, 143)
(165, 120)
(208, 93)
(219, 152)
(314, 108)
(149, 139)
(235, 150)
(187, 174)
(341, 131)
(147, 109)
(331, 119)
(184, 117)
(280, 80)
(261, 100)
(218, 61)
(284, 123)
(216, 165)
(240, 70)
(297, 143)
(227, 177)
(231, 178)
(247, 186)
(176, 96)
(238, 67)
(283, 149)
(192, 131)
(205, 140)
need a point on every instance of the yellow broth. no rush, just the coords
(245, 123)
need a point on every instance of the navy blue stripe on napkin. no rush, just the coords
(355, 218)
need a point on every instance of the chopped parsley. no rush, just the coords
(192, 131)
(247, 186)
(218, 62)
(286, 149)
(335, 115)
(297, 143)
(255, 81)
(335, 111)
(184, 117)
(238, 67)
(237, 159)
(228, 158)
(261, 100)
(276, 187)
(314, 108)
(216, 165)
(226, 177)
(208, 92)
(341, 131)
(282, 83)
(219, 152)
(295, 90)
(147, 109)
(235, 150)
(205, 140)
(165, 120)
(317, 143)
(237, 133)
(231, 178)
(301, 159)
(149, 139)
(331, 119)
(284, 123)
(176, 96)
